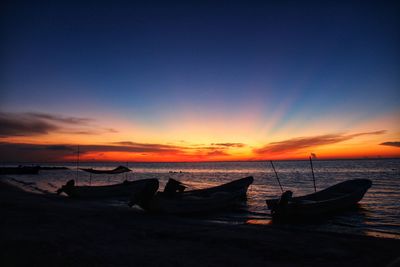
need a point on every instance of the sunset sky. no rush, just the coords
(199, 81)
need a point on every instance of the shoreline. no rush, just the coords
(54, 230)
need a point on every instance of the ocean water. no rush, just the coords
(378, 213)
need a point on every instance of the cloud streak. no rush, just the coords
(300, 143)
(58, 118)
(217, 153)
(213, 146)
(138, 148)
(229, 144)
(395, 144)
(145, 147)
(34, 124)
(17, 125)
(58, 152)
(61, 152)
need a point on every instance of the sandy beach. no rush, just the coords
(48, 230)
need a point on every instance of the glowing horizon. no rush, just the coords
(60, 136)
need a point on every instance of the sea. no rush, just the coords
(378, 213)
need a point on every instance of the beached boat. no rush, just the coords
(198, 201)
(118, 170)
(19, 170)
(330, 200)
(142, 190)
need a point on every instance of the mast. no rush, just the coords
(276, 174)
(77, 166)
(312, 170)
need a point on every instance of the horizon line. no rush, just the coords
(207, 161)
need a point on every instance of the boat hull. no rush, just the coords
(118, 170)
(128, 189)
(336, 198)
(200, 201)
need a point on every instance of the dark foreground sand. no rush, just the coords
(40, 230)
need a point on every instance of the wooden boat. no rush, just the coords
(19, 170)
(332, 199)
(142, 190)
(199, 201)
(118, 170)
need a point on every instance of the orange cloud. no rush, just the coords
(217, 153)
(300, 143)
(229, 144)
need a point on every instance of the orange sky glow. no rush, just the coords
(190, 140)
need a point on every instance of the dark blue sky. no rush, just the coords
(156, 60)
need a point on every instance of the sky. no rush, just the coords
(199, 80)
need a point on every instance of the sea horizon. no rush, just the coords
(206, 161)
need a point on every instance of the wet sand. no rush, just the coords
(48, 230)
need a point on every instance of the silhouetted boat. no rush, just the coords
(198, 201)
(141, 190)
(330, 200)
(19, 170)
(118, 170)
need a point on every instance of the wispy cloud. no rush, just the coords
(57, 118)
(229, 144)
(32, 124)
(19, 125)
(94, 131)
(59, 148)
(110, 130)
(395, 144)
(300, 143)
(217, 153)
(145, 147)
(367, 133)
(197, 147)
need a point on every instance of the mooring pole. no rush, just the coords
(126, 174)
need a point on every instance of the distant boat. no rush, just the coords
(332, 199)
(198, 201)
(19, 170)
(51, 168)
(118, 170)
(141, 189)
